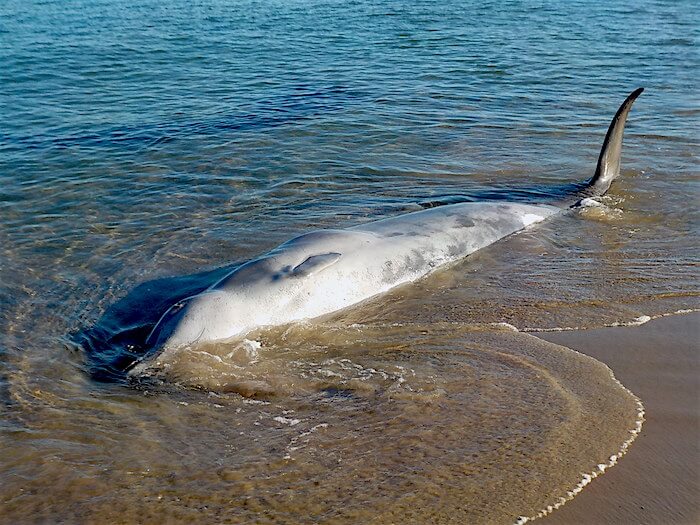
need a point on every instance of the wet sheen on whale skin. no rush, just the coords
(324, 271)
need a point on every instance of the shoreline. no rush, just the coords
(658, 480)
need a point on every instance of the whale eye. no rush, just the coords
(177, 307)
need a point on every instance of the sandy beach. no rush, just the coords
(658, 481)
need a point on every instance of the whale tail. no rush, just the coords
(608, 167)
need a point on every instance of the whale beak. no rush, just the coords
(168, 323)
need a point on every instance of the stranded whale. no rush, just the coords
(327, 270)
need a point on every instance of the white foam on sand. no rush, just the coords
(505, 326)
(586, 478)
(296, 442)
(287, 420)
(637, 321)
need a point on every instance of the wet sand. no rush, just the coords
(658, 481)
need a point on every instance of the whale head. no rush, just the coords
(197, 319)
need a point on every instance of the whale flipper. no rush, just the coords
(608, 167)
(315, 264)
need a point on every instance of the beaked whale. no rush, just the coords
(327, 270)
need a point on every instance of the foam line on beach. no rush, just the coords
(586, 478)
(637, 321)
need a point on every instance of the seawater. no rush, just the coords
(139, 143)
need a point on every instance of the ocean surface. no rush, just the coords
(147, 147)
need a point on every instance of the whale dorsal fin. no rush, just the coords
(608, 167)
(315, 264)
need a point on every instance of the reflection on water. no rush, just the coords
(143, 143)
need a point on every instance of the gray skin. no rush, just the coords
(327, 270)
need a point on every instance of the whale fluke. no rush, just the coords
(609, 161)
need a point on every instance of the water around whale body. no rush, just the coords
(147, 149)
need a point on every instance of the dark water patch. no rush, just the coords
(564, 194)
(284, 110)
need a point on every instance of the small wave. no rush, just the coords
(637, 321)
(601, 467)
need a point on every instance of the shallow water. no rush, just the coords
(138, 143)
